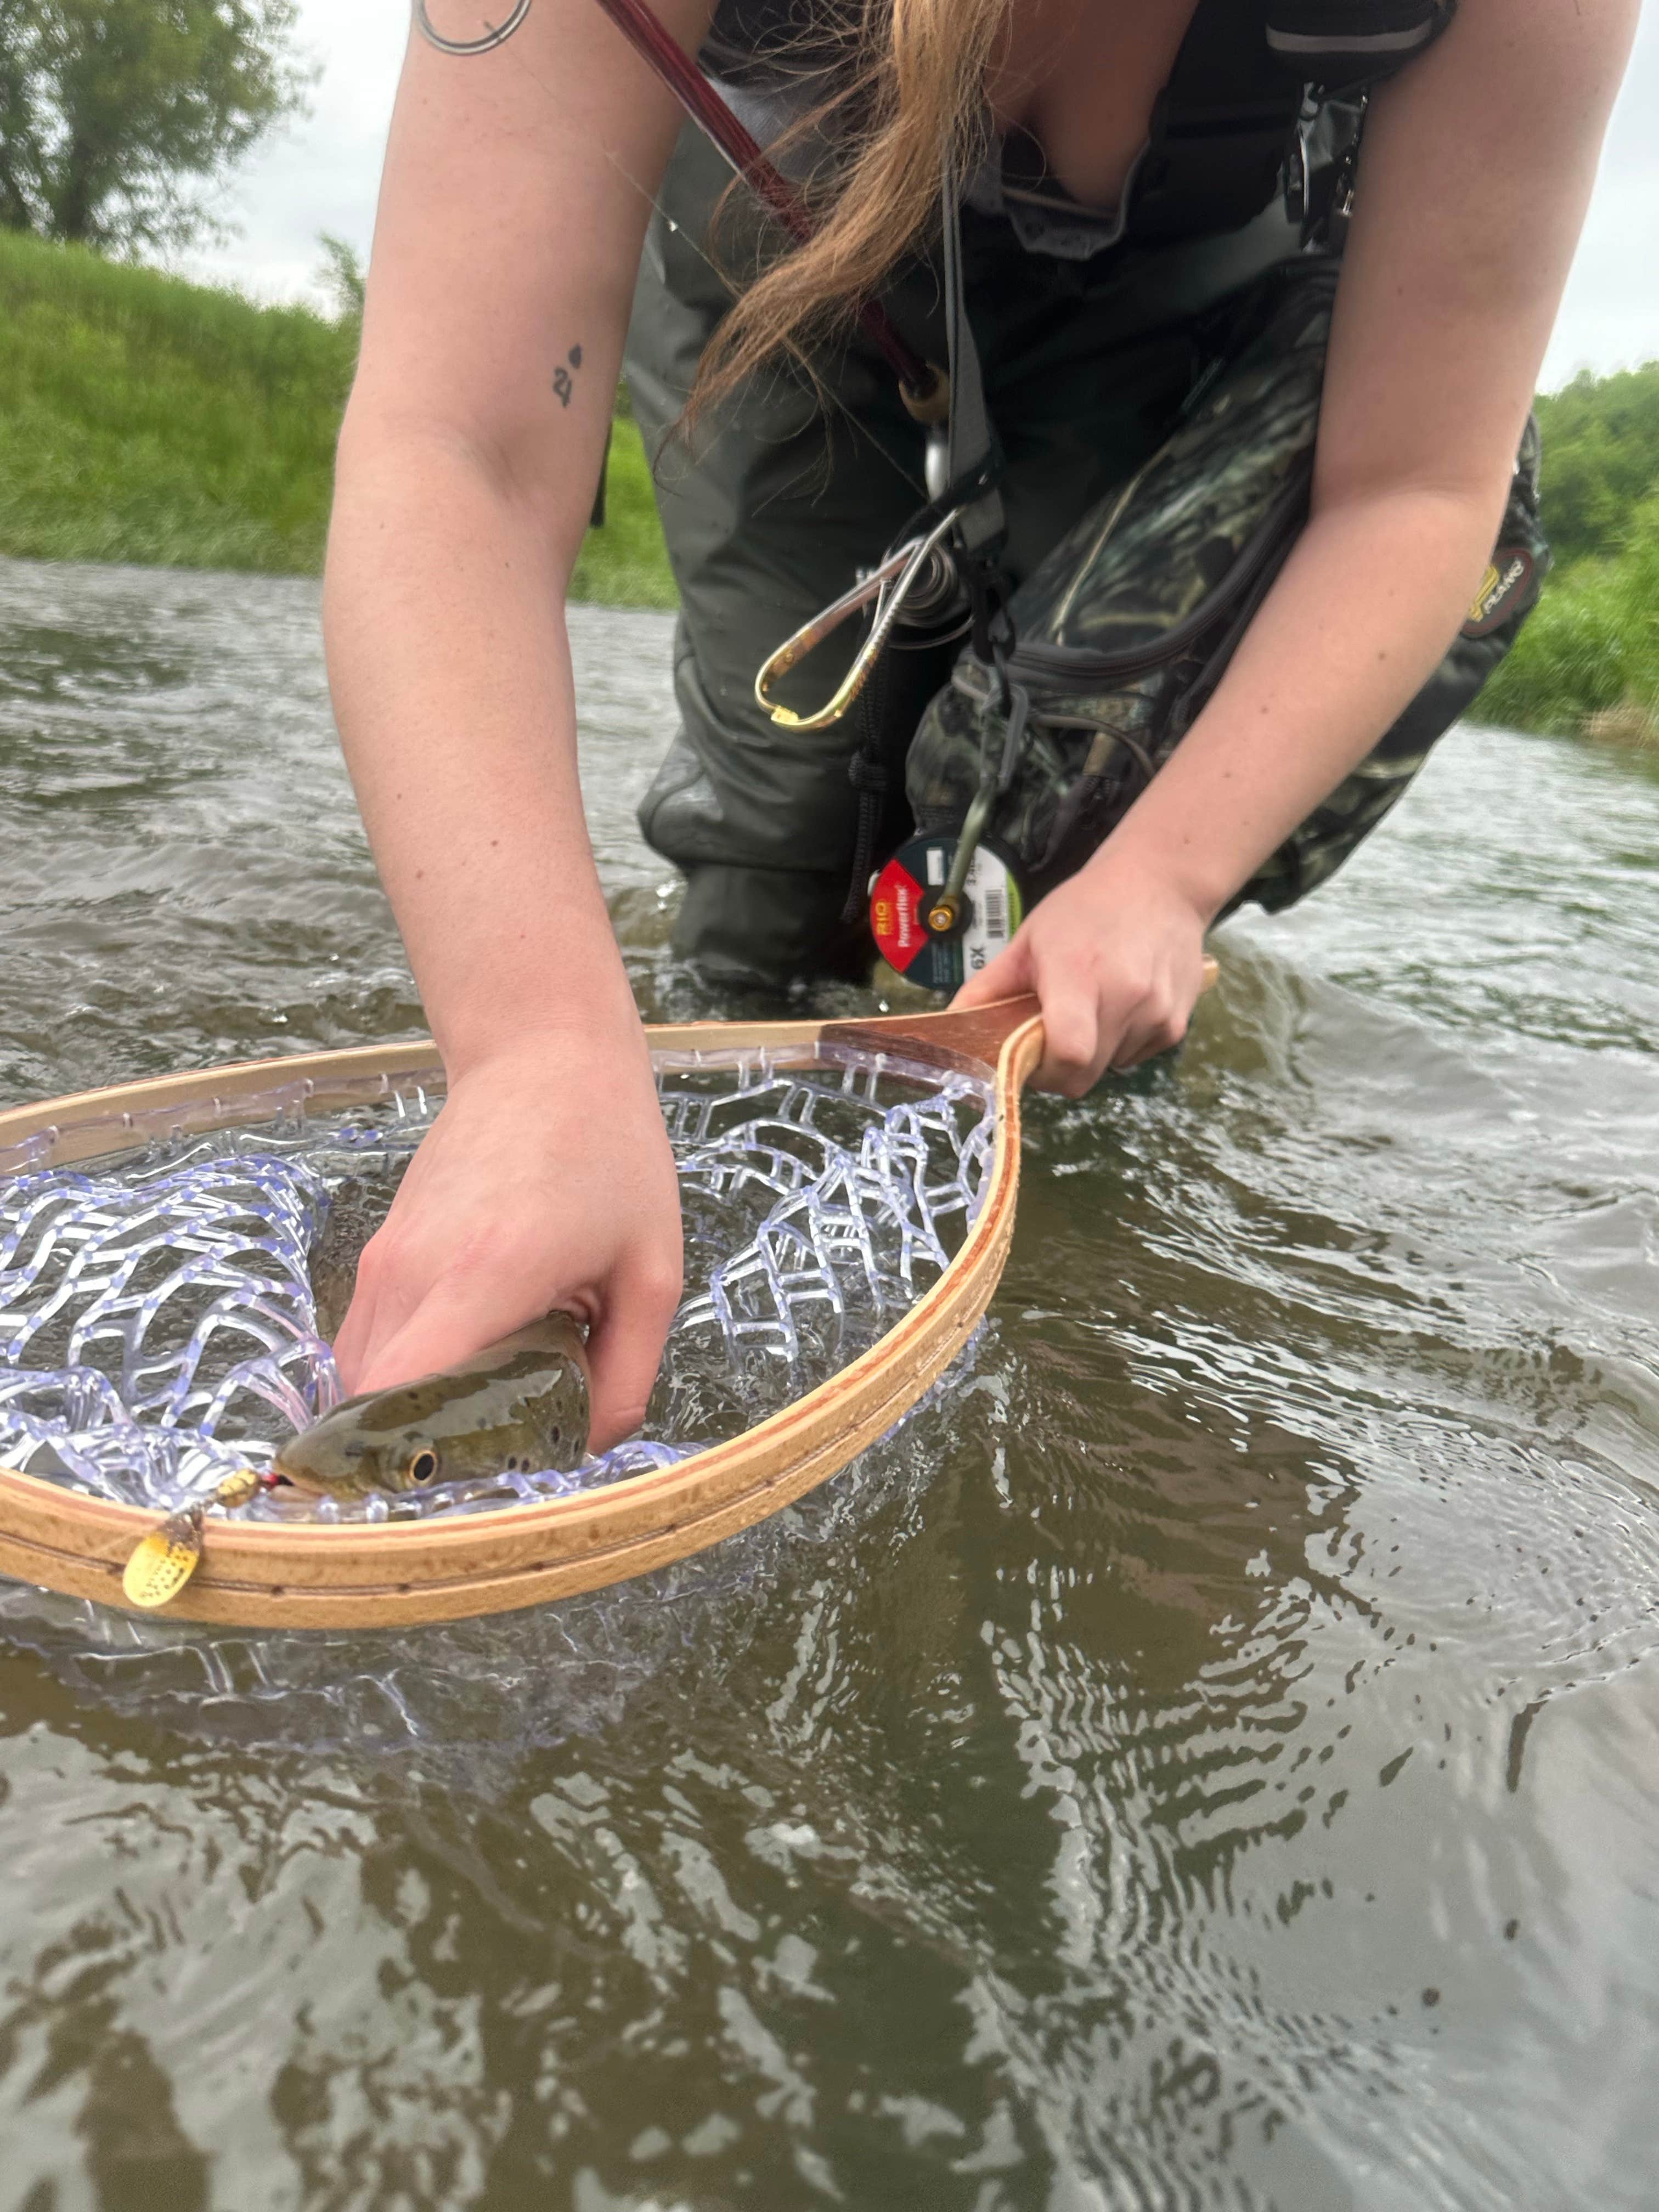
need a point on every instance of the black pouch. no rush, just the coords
(1126, 627)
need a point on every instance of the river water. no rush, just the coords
(1211, 1758)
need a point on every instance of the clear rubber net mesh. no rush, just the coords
(158, 1326)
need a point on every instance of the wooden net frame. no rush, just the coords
(286, 1574)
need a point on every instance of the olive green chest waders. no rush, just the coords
(1154, 408)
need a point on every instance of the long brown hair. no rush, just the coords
(907, 86)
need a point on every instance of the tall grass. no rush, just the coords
(625, 564)
(1587, 661)
(145, 418)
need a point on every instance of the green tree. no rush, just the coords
(1600, 458)
(120, 118)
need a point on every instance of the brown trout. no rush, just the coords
(518, 1404)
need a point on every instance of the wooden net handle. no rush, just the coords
(975, 1036)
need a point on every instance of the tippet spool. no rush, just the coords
(905, 900)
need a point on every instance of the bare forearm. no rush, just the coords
(1360, 616)
(1440, 320)
(451, 675)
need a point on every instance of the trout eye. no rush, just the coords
(424, 1466)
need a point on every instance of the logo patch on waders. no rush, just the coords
(1510, 583)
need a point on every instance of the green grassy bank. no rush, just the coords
(143, 418)
(1587, 663)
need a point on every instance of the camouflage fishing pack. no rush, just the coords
(1125, 630)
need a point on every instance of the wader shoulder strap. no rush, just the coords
(1344, 43)
(1220, 129)
(1224, 124)
(973, 456)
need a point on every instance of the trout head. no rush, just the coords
(519, 1404)
(366, 1443)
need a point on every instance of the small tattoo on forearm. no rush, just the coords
(563, 382)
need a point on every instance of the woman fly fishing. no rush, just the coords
(1180, 356)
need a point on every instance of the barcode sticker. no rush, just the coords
(993, 904)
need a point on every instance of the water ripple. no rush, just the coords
(1210, 1758)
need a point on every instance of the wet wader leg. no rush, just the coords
(768, 515)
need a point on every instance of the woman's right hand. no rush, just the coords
(547, 1182)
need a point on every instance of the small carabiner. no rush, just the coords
(907, 567)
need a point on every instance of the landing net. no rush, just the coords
(158, 1327)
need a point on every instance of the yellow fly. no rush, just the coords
(160, 1565)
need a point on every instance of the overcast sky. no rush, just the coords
(322, 175)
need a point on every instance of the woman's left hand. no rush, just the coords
(1115, 956)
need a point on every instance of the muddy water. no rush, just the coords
(1213, 1758)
